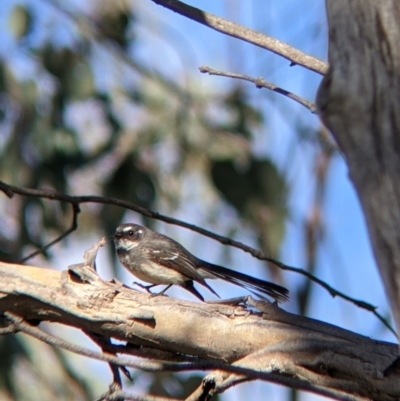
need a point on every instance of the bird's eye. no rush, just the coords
(130, 233)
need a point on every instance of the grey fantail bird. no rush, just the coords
(158, 259)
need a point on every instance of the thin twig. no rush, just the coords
(248, 35)
(10, 190)
(210, 386)
(261, 83)
(74, 226)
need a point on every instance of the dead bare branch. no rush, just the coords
(261, 83)
(296, 57)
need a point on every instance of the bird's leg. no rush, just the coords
(156, 294)
(145, 287)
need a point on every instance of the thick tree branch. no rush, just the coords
(240, 32)
(269, 344)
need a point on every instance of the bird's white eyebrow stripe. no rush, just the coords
(130, 228)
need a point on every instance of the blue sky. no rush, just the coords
(345, 258)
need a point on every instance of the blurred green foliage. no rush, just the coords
(136, 137)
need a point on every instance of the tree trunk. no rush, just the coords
(359, 101)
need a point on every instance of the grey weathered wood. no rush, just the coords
(293, 350)
(359, 100)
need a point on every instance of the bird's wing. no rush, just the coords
(176, 258)
(173, 255)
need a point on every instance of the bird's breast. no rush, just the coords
(148, 271)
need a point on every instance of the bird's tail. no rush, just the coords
(252, 284)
